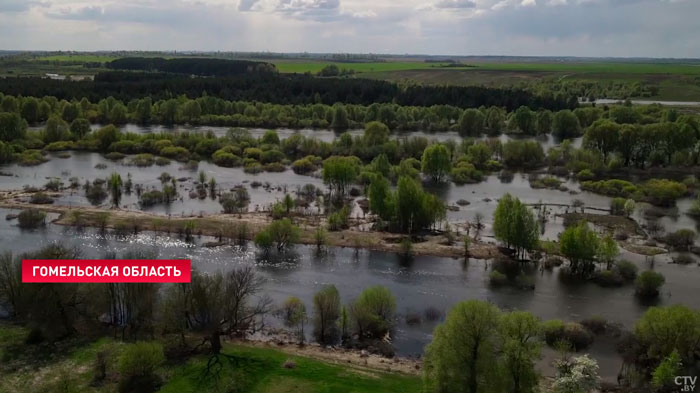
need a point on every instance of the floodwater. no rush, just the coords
(418, 284)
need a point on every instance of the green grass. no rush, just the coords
(572, 67)
(290, 66)
(82, 58)
(245, 369)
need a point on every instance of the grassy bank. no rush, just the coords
(70, 367)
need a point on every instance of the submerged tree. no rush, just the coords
(515, 225)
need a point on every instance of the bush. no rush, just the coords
(339, 220)
(648, 284)
(609, 278)
(627, 270)
(40, 198)
(497, 278)
(681, 239)
(151, 198)
(573, 334)
(137, 366)
(175, 152)
(31, 158)
(617, 206)
(59, 146)
(596, 324)
(465, 173)
(303, 166)
(225, 158)
(31, 218)
(664, 192)
(142, 160)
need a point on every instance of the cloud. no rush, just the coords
(454, 4)
(499, 27)
(20, 5)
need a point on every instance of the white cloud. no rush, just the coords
(507, 27)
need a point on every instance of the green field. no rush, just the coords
(583, 67)
(69, 366)
(82, 58)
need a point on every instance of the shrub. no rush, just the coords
(465, 173)
(627, 270)
(162, 161)
(31, 158)
(681, 239)
(59, 146)
(617, 206)
(497, 278)
(585, 174)
(137, 366)
(31, 218)
(142, 160)
(175, 152)
(339, 220)
(40, 198)
(225, 158)
(595, 324)
(664, 192)
(114, 156)
(303, 166)
(151, 198)
(573, 334)
(648, 284)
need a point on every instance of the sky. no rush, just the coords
(587, 28)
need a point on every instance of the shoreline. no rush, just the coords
(221, 225)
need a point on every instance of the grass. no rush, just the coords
(81, 58)
(246, 369)
(290, 66)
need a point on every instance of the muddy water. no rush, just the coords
(421, 283)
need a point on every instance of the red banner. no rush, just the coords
(106, 270)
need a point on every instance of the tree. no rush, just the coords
(236, 201)
(462, 358)
(115, 188)
(544, 122)
(524, 119)
(520, 346)
(376, 133)
(340, 118)
(71, 111)
(339, 172)
(137, 367)
(11, 288)
(663, 330)
(282, 233)
(471, 122)
(144, 111)
(603, 135)
(580, 244)
(12, 126)
(326, 314)
(80, 127)
(436, 162)
(30, 110)
(373, 312)
(409, 202)
(607, 251)
(515, 225)
(648, 284)
(576, 375)
(294, 315)
(380, 198)
(566, 125)
(191, 111)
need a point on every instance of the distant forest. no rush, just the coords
(238, 80)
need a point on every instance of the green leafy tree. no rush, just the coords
(520, 348)
(580, 245)
(515, 225)
(471, 122)
(12, 126)
(80, 127)
(282, 233)
(608, 251)
(566, 125)
(544, 122)
(115, 188)
(376, 133)
(463, 356)
(373, 312)
(525, 120)
(604, 136)
(339, 172)
(340, 118)
(326, 314)
(436, 162)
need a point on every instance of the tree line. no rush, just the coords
(279, 89)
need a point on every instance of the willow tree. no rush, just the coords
(515, 225)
